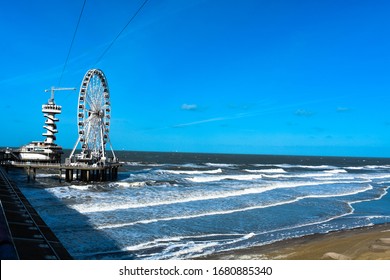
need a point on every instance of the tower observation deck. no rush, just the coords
(50, 110)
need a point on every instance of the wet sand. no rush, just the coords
(370, 243)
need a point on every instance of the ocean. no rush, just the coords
(186, 205)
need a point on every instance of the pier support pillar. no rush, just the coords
(101, 175)
(28, 174)
(87, 175)
(82, 175)
(104, 174)
(69, 175)
(31, 172)
(114, 173)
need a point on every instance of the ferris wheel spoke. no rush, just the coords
(89, 101)
(87, 121)
(95, 97)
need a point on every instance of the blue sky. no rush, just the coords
(262, 77)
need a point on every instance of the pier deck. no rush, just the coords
(75, 171)
(81, 172)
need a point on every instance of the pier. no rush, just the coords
(83, 172)
(23, 233)
(92, 164)
(90, 173)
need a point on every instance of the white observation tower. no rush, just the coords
(47, 150)
(49, 111)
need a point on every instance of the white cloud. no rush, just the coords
(200, 122)
(189, 107)
(342, 109)
(303, 113)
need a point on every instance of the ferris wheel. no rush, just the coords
(93, 116)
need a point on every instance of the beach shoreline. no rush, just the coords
(366, 243)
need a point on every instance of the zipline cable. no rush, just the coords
(71, 44)
(123, 29)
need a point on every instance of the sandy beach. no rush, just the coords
(371, 243)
